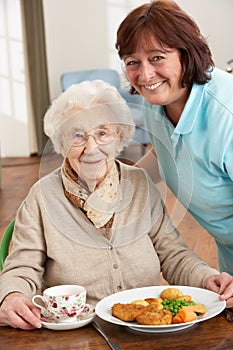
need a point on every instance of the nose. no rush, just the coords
(147, 71)
(90, 144)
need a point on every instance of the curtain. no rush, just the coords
(35, 51)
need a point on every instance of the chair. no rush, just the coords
(112, 77)
(108, 75)
(5, 243)
(135, 103)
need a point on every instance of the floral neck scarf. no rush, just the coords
(99, 205)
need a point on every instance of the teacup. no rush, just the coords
(62, 303)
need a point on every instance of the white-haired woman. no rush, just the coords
(94, 221)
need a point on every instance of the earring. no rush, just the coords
(229, 69)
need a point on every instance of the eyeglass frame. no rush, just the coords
(94, 136)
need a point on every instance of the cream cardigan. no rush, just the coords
(54, 243)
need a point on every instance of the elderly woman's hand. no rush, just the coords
(223, 285)
(18, 311)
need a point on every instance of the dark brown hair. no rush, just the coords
(172, 28)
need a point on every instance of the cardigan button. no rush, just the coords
(115, 266)
(119, 287)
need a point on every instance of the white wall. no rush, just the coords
(81, 35)
(78, 34)
(214, 18)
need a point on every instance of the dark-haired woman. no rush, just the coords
(189, 113)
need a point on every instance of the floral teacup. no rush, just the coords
(63, 303)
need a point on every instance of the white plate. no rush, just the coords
(81, 321)
(213, 305)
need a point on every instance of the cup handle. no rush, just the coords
(35, 303)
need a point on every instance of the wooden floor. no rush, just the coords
(18, 174)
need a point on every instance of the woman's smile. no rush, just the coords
(154, 86)
(91, 160)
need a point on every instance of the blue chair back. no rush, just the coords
(110, 76)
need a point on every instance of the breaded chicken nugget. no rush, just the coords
(127, 312)
(154, 317)
(140, 302)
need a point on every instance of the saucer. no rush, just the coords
(81, 320)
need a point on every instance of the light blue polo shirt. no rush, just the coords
(196, 158)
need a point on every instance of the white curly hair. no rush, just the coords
(82, 96)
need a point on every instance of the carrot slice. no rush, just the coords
(198, 308)
(177, 319)
(187, 315)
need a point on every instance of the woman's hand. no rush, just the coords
(223, 285)
(18, 311)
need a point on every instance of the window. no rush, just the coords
(13, 98)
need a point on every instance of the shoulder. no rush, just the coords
(131, 171)
(140, 179)
(219, 89)
(46, 190)
(52, 178)
(212, 102)
(47, 184)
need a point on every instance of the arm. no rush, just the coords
(23, 269)
(24, 266)
(179, 264)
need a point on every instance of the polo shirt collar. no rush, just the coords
(191, 109)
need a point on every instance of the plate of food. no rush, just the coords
(160, 308)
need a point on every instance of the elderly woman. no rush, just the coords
(95, 221)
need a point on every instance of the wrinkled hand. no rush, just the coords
(18, 311)
(223, 285)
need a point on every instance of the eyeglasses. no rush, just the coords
(102, 136)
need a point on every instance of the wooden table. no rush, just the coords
(216, 333)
